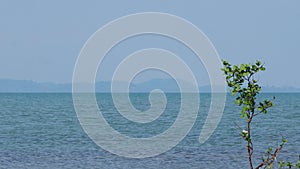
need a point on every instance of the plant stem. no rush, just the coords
(249, 145)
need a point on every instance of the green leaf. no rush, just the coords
(270, 149)
(289, 164)
(254, 68)
(281, 163)
(225, 62)
(246, 74)
(259, 109)
(235, 68)
(242, 67)
(264, 111)
(258, 63)
(298, 164)
(238, 102)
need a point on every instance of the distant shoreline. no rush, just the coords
(135, 93)
(166, 85)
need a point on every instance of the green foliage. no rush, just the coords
(288, 164)
(281, 164)
(240, 78)
(297, 165)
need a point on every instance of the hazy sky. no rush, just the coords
(40, 40)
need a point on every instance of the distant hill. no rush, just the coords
(8, 85)
(275, 89)
(166, 85)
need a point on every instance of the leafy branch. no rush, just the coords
(240, 78)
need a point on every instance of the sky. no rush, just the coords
(41, 40)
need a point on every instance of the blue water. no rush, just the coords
(42, 131)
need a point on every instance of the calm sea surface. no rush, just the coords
(42, 131)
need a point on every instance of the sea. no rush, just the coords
(41, 130)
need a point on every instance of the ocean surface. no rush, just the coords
(42, 131)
